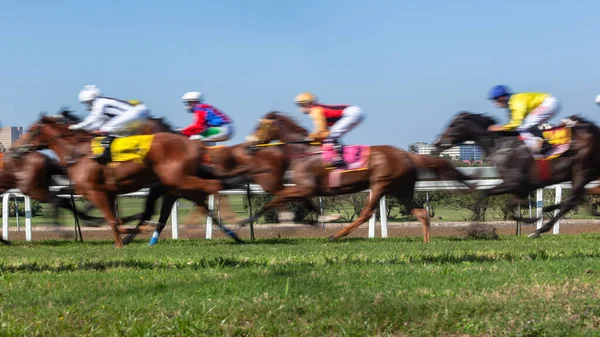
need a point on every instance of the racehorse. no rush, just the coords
(388, 171)
(171, 160)
(31, 171)
(265, 166)
(520, 172)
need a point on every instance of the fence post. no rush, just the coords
(539, 205)
(17, 212)
(321, 211)
(27, 218)
(383, 217)
(175, 221)
(372, 221)
(5, 216)
(248, 193)
(209, 220)
(557, 200)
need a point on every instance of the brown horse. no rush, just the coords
(265, 166)
(521, 174)
(31, 172)
(390, 171)
(172, 161)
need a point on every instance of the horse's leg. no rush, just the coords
(370, 207)
(406, 198)
(311, 207)
(165, 211)
(284, 196)
(153, 195)
(106, 204)
(200, 200)
(506, 186)
(577, 194)
(589, 191)
(513, 203)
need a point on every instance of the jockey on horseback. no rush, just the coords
(528, 111)
(331, 122)
(211, 124)
(110, 117)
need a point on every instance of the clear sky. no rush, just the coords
(411, 65)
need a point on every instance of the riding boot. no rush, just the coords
(546, 147)
(338, 161)
(105, 157)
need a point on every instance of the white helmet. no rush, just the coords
(598, 99)
(193, 96)
(89, 93)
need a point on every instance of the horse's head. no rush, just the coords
(465, 126)
(42, 133)
(277, 126)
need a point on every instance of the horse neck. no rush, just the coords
(64, 148)
(488, 141)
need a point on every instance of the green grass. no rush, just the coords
(300, 287)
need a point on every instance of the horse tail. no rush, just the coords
(442, 168)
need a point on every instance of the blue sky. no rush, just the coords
(411, 65)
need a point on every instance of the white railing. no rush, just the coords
(427, 186)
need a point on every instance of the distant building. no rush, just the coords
(10, 134)
(466, 151)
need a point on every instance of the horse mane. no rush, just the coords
(580, 119)
(480, 119)
(280, 116)
(164, 123)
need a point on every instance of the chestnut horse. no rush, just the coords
(265, 166)
(172, 161)
(31, 171)
(390, 171)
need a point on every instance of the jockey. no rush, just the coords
(528, 111)
(109, 116)
(331, 121)
(211, 124)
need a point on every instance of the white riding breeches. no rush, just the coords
(351, 117)
(549, 107)
(127, 121)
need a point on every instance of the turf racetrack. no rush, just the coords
(514, 286)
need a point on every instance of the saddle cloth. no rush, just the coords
(126, 148)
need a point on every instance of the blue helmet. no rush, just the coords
(499, 91)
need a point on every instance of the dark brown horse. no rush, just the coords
(172, 161)
(390, 171)
(518, 169)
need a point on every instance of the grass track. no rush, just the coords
(513, 286)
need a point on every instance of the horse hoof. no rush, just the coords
(534, 235)
(332, 238)
(153, 242)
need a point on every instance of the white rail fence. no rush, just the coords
(427, 186)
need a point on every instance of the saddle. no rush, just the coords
(356, 158)
(557, 141)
